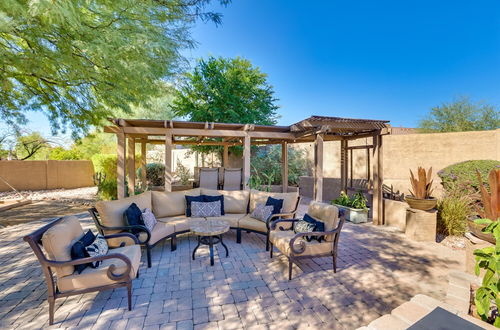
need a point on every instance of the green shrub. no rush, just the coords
(155, 174)
(462, 176)
(107, 189)
(453, 212)
(357, 201)
(183, 173)
(106, 164)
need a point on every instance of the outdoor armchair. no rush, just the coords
(294, 246)
(207, 178)
(52, 246)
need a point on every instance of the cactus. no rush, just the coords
(422, 186)
(490, 200)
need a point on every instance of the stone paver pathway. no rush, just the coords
(378, 270)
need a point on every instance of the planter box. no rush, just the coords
(354, 215)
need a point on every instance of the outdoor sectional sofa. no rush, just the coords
(170, 210)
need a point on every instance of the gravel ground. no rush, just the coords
(85, 196)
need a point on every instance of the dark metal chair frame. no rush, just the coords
(300, 247)
(122, 280)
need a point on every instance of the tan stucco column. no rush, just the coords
(378, 178)
(120, 168)
(246, 162)
(284, 166)
(168, 161)
(318, 168)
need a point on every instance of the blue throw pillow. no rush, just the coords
(220, 198)
(133, 216)
(318, 226)
(78, 250)
(276, 203)
(190, 199)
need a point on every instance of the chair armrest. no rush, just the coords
(111, 268)
(134, 238)
(274, 223)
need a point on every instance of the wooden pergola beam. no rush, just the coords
(284, 166)
(121, 173)
(168, 161)
(131, 166)
(246, 162)
(318, 168)
(378, 178)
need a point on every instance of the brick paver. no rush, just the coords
(378, 269)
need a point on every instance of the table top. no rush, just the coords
(209, 227)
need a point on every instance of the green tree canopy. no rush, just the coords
(228, 91)
(461, 115)
(75, 60)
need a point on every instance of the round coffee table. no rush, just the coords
(209, 233)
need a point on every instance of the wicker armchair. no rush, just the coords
(52, 246)
(294, 247)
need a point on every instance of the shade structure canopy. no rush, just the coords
(315, 129)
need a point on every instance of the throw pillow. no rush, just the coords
(98, 248)
(205, 209)
(276, 203)
(189, 200)
(220, 198)
(78, 250)
(319, 226)
(303, 226)
(133, 216)
(149, 219)
(262, 212)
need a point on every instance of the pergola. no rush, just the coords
(315, 129)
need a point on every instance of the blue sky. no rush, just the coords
(383, 59)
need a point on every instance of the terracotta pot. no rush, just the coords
(476, 230)
(421, 204)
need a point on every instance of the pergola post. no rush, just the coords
(168, 161)
(378, 177)
(246, 162)
(318, 168)
(284, 166)
(225, 156)
(121, 174)
(143, 165)
(343, 165)
(131, 166)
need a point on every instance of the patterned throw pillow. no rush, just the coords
(207, 198)
(205, 209)
(303, 226)
(98, 248)
(318, 226)
(149, 219)
(189, 200)
(262, 212)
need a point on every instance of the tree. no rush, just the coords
(461, 115)
(228, 91)
(78, 60)
(27, 146)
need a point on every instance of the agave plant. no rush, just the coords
(491, 200)
(422, 185)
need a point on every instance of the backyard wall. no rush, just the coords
(46, 174)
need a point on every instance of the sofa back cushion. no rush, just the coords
(58, 240)
(235, 201)
(170, 204)
(111, 212)
(260, 197)
(327, 213)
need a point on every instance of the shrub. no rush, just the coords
(453, 212)
(107, 189)
(357, 201)
(106, 164)
(183, 173)
(463, 177)
(155, 174)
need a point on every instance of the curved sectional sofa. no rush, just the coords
(169, 209)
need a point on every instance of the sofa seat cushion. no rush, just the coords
(58, 240)
(170, 204)
(160, 231)
(248, 222)
(111, 212)
(181, 223)
(232, 218)
(281, 240)
(95, 277)
(235, 201)
(260, 197)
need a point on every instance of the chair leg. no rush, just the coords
(267, 241)
(290, 264)
(334, 263)
(271, 250)
(238, 236)
(51, 310)
(148, 254)
(173, 243)
(129, 295)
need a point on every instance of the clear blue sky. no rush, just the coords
(381, 59)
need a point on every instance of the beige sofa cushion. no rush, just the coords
(235, 201)
(111, 212)
(248, 222)
(58, 240)
(281, 239)
(289, 199)
(231, 218)
(94, 277)
(169, 204)
(160, 231)
(180, 222)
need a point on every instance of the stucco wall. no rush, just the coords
(46, 174)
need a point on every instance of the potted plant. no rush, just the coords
(355, 207)
(491, 206)
(420, 195)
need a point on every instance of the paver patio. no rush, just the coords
(378, 269)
